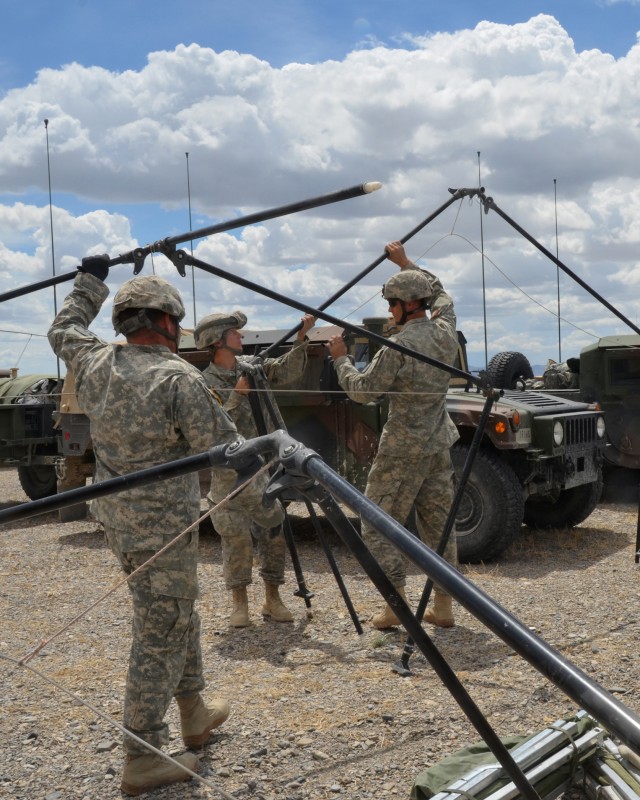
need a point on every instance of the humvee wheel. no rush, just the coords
(571, 508)
(490, 513)
(38, 481)
(505, 369)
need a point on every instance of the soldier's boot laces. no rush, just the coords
(441, 613)
(197, 720)
(387, 617)
(273, 606)
(142, 773)
(240, 615)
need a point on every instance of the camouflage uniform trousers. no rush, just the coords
(165, 659)
(395, 484)
(238, 532)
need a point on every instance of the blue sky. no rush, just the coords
(316, 97)
(119, 34)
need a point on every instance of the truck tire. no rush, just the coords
(38, 480)
(505, 369)
(492, 507)
(571, 508)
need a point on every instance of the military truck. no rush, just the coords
(607, 373)
(539, 462)
(28, 439)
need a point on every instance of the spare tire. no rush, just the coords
(505, 369)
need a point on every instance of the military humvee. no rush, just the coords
(539, 462)
(607, 373)
(28, 439)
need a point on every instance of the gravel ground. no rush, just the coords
(317, 711)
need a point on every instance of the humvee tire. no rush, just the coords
(571, 508)
(505, 369)
(38, 480)
(491, 510)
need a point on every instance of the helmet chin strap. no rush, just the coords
(236, 352)
(163, 332)
(141, 320)
(403, 319)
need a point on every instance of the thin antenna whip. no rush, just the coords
(555, 203)
(53, 257)
(484, 302)
(193, 278)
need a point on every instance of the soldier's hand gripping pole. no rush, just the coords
(167, 245)
(456, 194)
(491, 395)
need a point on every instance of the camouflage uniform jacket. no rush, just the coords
(418, 418)
(146, 406)
(278, 371)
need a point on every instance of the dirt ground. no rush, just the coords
(317, 710)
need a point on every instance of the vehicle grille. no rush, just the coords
(580, 430)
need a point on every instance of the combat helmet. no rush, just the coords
(410, 284)
(211, 328)
(145, 293)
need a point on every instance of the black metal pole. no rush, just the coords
(302, 590)
(490, 204)
(440, 666)
(173, 469)
(457, 194)
(138, 255)
(609, 711)
(334, 566)
(254, 287)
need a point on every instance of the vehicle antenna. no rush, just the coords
(484, 303)
(555, 203)
(193, 278)
(53, 257)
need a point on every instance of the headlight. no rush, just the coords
(600, 427)
(558, 433)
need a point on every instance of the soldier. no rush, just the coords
(413, 463)
(221, 335)
(147, 406)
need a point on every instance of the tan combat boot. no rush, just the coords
(273, 606)
(197, 720)
(146, 772)
(240, 615)
(441, 614)
(387, 617)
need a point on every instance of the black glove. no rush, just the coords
(98, 266)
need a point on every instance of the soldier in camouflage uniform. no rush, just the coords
(413, 465)
(221, 335)
(147, 406)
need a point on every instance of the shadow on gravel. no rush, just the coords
(274, 642)
(463, 648)
(92, 539)
(537, 553)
